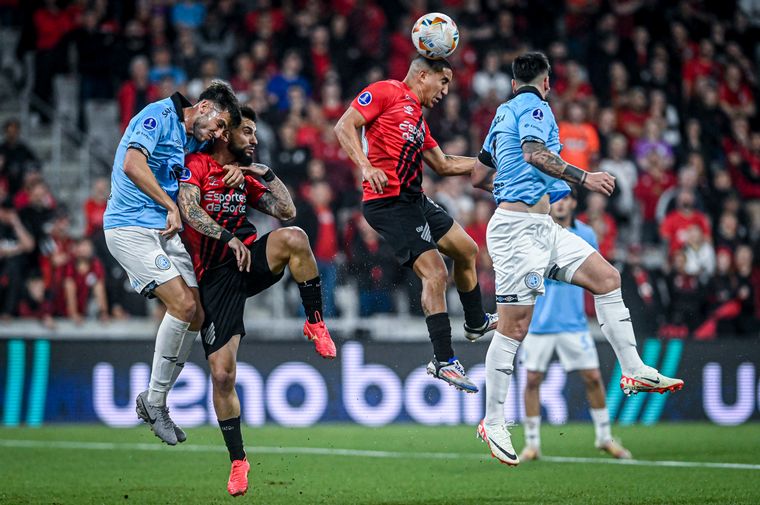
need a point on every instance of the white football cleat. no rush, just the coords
(648, 380)
(499, 441)
(614, 449)
(489, 325)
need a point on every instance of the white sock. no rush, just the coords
(532, 431)
(168, 342)
(184, 353)
(601, 418)
(615, 321)
(499, 368)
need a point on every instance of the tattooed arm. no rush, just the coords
(277, 202)
(189, 201)
(538, 155)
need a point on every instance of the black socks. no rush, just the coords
(472, 302)
(311, 297)
(233, 437)
(439, 329)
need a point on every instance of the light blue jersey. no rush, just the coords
(561, 308)
(159, 133)
(525, 117)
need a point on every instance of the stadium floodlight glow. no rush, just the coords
(445, 411)
(358, 377)
(290, 374)
(712, 394)
(103, 398)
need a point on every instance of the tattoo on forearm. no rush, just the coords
(277, 202)
(550, 163)
(193, 214)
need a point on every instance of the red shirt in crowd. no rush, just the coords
(127, 98)
(675, 226)
(648, 192)
(93, 215)
(326, 246)
(52, 25)
(396, 134)
(225, 205)
(85, 276)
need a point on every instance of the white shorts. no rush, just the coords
(576, 351)
(527, 247)
(148, 258)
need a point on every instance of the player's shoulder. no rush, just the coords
(386, 88)
(198, 159)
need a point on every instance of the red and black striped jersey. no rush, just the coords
(394, 137)
(225, 205)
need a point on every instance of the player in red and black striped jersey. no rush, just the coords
(386, 136)
(233, 263)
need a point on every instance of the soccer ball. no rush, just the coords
(435, 35)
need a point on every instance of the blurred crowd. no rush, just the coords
(662, 94)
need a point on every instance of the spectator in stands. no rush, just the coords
(188, 56)
(686, 299)
(651, 142)
(188, 14)
(36, 301)
(292, 160)
(675, 226)
(633, 115)
(17, 158)
(735, 96)
(83, 280)
(37, 215)
(208, 72)
(652, 184)
(640, 292)
(580, 142)
(95, 205)
(15, 243)
(602, 222)
(700, 255)
(617, 163)
(291, 75)
(137, 92)
(491, 79)
(163, 68)
(373, 266)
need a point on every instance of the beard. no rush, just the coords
(240, 155)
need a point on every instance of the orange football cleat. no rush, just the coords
(238, 483)
(318, 333)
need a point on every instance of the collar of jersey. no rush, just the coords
(180, 102)
(528, 89)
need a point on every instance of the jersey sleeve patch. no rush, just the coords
(535, 123)
(365, 98)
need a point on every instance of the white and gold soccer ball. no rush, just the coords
(435, 35)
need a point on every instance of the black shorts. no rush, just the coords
(225, 289)
(411, 223)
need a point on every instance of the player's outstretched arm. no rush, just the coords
(538, 155)
(346, 129)
(278, 202)
(446, 164)
(189, 200)
(482, 176)
(137, 169)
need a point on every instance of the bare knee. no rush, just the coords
(294, 238)
(223, 378)
(435, 279)
(534, 381)
(183, 307)
(515, 328)
(592, 379)
(607, 282)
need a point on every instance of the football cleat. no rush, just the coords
(530, 453)
(453, 373)
(318, 333)
(648, 380)
(238, 483)
(499, 442)
(489, 325)
(181, 435)
(157, 417)
(614, 449)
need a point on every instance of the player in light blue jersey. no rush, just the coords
(559, 324)
(141, 224)
(520, 164)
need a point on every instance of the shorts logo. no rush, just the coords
(506, 299)
(424, 232)
(162, 262)
(533, 280)
(538, 114)
(185, 174)
(149, 123)
(365, 98)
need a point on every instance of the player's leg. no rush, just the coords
(152, 272)
(595, 393)
(516, 242)
(222, 363)
(460, 247)
(603, 280)
(536, 352)
(290, 247)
